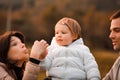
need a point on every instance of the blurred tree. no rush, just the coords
(9, 16)
(37, 18)
(2, 21)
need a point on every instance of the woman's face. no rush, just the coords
(18, 51)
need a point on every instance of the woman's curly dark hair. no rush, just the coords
(4, 48)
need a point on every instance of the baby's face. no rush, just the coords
(63, 35)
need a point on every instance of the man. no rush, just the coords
(114, 73)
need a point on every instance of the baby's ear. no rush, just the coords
(74, 37)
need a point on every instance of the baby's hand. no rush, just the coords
(38, 50)
(43, 55)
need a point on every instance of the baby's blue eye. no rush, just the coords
(63, 32)
(56, 32)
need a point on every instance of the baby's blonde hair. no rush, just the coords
(73, 26)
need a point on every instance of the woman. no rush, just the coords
(14, 55)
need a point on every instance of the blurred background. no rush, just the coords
(37, 18)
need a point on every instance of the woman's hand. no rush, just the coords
(39, 49)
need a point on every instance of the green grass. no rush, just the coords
(104, 58)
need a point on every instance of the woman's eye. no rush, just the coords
(14, 44)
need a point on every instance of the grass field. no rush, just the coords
(104, 58)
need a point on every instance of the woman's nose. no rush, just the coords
(23, 45)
